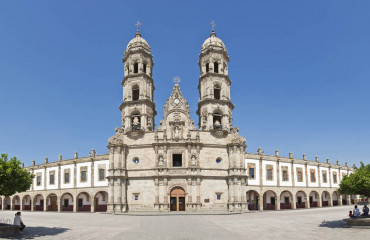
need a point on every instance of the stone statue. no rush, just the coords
(193, 160)
(160, 161)
(177, 132)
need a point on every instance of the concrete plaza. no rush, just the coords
(318, 223)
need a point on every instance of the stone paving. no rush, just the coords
(319, 223)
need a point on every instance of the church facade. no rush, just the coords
(179, 166)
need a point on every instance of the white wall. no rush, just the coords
(41, 187)
(71, 176)
(316, 183)
(289, 182)
(332, 178)
(296, 183)
(256, 180)
(96, 173)
(55, 185)
(264, 174)
(88, 174)
(327, 184)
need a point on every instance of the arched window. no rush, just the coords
(217, 121)
(136, 68)
(135, 122)
(207, 67)
(215, 67)
(135, 93)
(144, 68)
(217, 92)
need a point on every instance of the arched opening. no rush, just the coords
(144, 68)
(286, 198)
(269, 200)
(325, 198)
(136, 67)
(344, 199)
(253, 200)
(217, 92)
(217, 121)
(16, 203)
(6, 203)
(135, 122)
(314, 199)
(135, 93)
(177, 199)
(38, 202)
(26, 203)
(83, 202)
(207, 67)
(215, 67)
(66, 202)
(52, 202)
(300, 199)
(335, 198)
(101, 201)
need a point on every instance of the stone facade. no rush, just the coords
(179, 166)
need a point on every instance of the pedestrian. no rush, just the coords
(365, 211)
(356, 212)
(18, 221)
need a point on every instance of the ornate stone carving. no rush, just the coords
(117, 138)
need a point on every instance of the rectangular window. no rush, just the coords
(80, 202)
(38, 180)
(136, 197)
(66, 177)
(51, 179)
(101, 174)
(218, 196)
(251, 173)
(177, 160)
(299, 175)
(285, 175)
(335, 178)
(312, 174)
(324, 177)
(269, 169)
(83, 176)
(66, 203)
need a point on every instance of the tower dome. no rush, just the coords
(213, 42)
(137, 43)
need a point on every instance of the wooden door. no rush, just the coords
(177, 200)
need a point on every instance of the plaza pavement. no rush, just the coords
(317, 223)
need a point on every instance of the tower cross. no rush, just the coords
(213, 24)
(176, 80)
(138, 24)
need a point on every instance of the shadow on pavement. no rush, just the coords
(35, 232)
(334, 224)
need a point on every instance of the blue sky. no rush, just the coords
(300, 72)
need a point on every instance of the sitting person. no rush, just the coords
(350, 214)
(18, 221)
(356, 212)
(365, 211)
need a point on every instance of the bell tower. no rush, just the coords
(214, 106)
(138, 108)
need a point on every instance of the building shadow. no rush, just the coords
(36, 232)
(334, 224)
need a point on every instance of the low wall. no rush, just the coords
(8, 230)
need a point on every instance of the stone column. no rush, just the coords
(294, 205)
(198, 193)
(260, 203)
(92, 203)
(340, 200)
(330, 202)
(59, 201)
(348, 199)
(230, 183)
(45, 203)
(190, 190)
(277, 203)
(74, 203)
(319, 203)
(32, 205)
(92, 171)
(110, 205)
(307, 204)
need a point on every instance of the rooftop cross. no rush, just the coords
(176, 80)
(213, 24)
(138, 24)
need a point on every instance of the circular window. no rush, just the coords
(218, 160)
(136, 160)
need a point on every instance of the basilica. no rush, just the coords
(178, 166)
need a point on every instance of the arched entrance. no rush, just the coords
(6, 203)
(83, 202)
(52, 202)
(252, 200)
(335, 198)
(301, 199)
(66, 202)
(325, 198)
(177, 200)
(16, 203)
(314, 199)
(286, 198)
(269, 200)
(26, 203)
(100, 202)
(38, 202)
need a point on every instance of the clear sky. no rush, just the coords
(299, 69)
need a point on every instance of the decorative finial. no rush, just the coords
(213, 24)
(60, 157)
(176, 80)
(138, 24)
